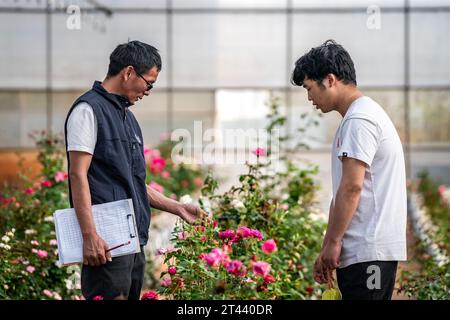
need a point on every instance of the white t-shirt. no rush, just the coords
(82, 129)
(378, 228)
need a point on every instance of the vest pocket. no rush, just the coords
(138, 159)
(114, 154)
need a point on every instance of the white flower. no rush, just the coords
(69, 284)
(237, 204)
(186, 199)
(30, 231)
(10, 234)
(5, 246)
(48, 219)
(6, 239)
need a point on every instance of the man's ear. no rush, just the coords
(126, 73)
(330, 80)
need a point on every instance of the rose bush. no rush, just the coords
(28, 247)
(260, 242)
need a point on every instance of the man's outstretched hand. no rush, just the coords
(191, 213)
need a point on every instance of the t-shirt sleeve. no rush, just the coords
(359, 140)
(82, 129)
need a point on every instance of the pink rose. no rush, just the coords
(244, 232)
(259, 152)
(42, 253)
(156, 186)
(60, 176)
(150, 295)
(29, 191)
(157, 165)
(234, 267)
(182, 235)
(53, 242)
(256, 234)
(97, 298)
(172, 270)
(165, 174)
(269, 279)
(31, 269)
(166, 282)
(46, 183)
(261, 268)
(216, 257)
(269, 246)
(161, 251)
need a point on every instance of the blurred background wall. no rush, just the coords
(221, 61)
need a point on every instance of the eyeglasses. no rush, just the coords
(149, 84)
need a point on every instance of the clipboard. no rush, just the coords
(115, 223)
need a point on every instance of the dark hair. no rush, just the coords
(140, 55)
(329, 57)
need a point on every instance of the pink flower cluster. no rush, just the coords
(216, 257)
(241, 233)
(156, 163)
(227, 234)
(245, 232)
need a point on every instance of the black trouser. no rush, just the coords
(372, 280)
(122, 278)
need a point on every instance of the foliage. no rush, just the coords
(28, 268)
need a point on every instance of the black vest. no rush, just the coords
(118, 169)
